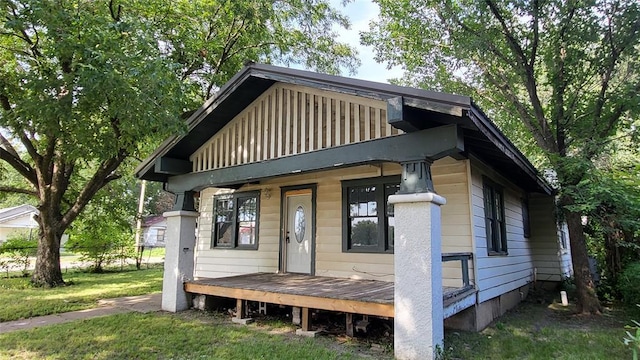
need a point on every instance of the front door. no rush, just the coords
(299, 231)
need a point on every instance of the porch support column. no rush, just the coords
(179, 256)
(418, 323)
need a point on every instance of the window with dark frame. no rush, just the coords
(368, 218)
(494, 218)
(235, 224)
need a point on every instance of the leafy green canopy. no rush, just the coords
(561, 77)
(86, 85)
(81, 91)
(561, 73)
(212, 39)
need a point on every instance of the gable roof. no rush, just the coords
(425, 109)
(8, 214)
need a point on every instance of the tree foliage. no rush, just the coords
(212, 39)
(563, 75)
(85, 85)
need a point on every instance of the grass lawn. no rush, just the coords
(19, 300)
(187, 335)
(533, 331)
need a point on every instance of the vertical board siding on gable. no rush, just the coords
(291, 119)
(551, 261)
(500, 274)
(450, 180)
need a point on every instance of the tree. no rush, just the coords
(213, 39)
(563, 73)
(85, 85)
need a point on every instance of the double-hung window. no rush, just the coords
(235, 220)
(494, 218)
(368, 218)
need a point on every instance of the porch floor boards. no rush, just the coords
(368, 297)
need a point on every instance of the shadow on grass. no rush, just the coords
(160, 336)
(534, 331)
(21, 300)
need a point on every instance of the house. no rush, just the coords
(331, 193)
(18, 220)
(153, 231)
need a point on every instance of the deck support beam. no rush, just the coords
(418, 323)
(178, 265)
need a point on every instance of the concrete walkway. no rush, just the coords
(142, 303)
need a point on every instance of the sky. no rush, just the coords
(361, 12)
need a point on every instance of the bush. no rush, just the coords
(632, 339)
(629, 284)
(19, 248)
(101, 247)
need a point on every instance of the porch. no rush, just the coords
(351, 296)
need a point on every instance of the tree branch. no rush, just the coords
(17, 190)
(8, 147)
(528, 73)
(20, 166)
(100, 178)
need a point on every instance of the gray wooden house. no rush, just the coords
(325, 192)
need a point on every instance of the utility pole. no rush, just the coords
(139, 242)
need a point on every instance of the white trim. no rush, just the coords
(181, 213)
(417, 197)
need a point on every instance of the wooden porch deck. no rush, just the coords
(366, 297)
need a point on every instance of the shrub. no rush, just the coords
(19, 248)
(629, 284)
(633, 338)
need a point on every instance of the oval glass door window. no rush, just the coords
(300, 224)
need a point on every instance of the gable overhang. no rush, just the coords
(10, 214)
(408, 109)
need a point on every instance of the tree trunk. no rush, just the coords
(47, 271)
(585, 287)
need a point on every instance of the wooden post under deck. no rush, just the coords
(305, 319)
(239, 309)
(349, 324)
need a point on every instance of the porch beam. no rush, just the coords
(432, 144)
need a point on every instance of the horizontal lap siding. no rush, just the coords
(500, 274)
(450, 181)
(549, 258)
(214, 263)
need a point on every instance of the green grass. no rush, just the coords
(154, 252)
(20, 300)
(187, 335)
(535, 331)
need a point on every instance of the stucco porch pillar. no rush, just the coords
(419, 320)
(179, 255)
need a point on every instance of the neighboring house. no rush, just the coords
(21, 220)
(153, 231)
(18, 220)
(331, 193)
